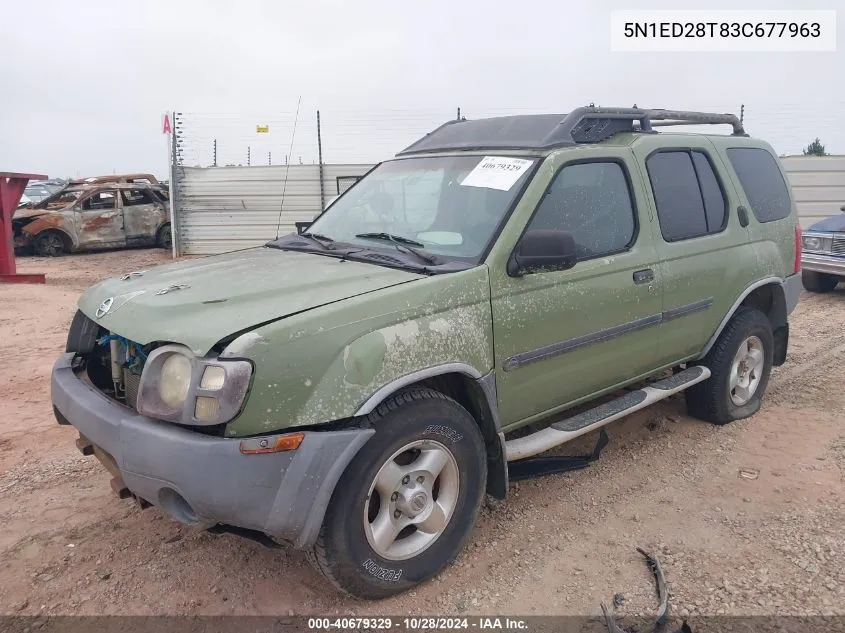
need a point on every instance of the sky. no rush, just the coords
(85, 84)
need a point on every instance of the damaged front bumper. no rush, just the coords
(22, 243)
(202, 480)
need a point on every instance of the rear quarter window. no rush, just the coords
(762, 181)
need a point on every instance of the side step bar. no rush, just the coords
(565, 430)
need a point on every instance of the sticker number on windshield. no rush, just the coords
(497, 172)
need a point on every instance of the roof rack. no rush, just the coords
(589, 124)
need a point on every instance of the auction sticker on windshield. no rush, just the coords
(497, 172)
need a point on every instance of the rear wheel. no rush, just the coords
(49, 244)
(407, 503)
(740, 363)
(163, 238)
(818, 282)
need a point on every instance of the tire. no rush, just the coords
(818, 282)
(345, 552)
(163, 238)
(715, 400)
(49, 244)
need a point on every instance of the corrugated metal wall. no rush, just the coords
(220, 209)
(818, 184)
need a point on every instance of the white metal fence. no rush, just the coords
(220, 209)
(818, 184)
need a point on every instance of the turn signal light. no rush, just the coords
(277, 444)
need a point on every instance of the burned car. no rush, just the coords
(136, 178)
(94, 216)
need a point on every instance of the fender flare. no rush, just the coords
(393, 386)
(768, 281)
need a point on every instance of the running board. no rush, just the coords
(565, 430)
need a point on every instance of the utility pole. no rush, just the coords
(741, 113)
(248, 156)
(214, 163)
(459, 113)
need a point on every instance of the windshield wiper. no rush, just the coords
(392, 238)
(402, 243)
(323, 240)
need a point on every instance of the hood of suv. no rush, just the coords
(199, 302)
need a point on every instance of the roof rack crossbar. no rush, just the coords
(685, 117)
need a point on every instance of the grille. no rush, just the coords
(838, 245)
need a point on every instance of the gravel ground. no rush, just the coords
(746, 519)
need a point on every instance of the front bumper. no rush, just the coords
(204, 480)
(828, 264)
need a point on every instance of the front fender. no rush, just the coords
(370, 368)
(327, 363)
(51, 222)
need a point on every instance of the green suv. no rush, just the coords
(353, 390)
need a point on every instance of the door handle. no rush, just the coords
(742, 214)
(643, 276)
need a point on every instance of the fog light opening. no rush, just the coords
(177, 507)
(206, 408)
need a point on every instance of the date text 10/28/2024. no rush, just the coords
(422, 623)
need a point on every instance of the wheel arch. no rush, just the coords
(474, 391)
(767, 296)
(55, 222)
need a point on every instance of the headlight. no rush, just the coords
(175, 380)
(817, 243)
(179, 387)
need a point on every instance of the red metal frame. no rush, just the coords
(11, 189)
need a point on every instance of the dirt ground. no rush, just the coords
(770, 544)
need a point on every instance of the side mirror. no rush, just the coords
(842, 208)
(301, 227)
(542, 251)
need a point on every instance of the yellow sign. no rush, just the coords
(262, 129)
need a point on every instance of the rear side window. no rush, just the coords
(762, 181)
(131, 197)
(690, 201)
(592, 202)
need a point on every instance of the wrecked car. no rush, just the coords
(499, 288)
(134, 178)
(83, 217)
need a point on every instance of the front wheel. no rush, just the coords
(406, 504)
(49, 244)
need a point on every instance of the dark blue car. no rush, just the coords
(823, 254)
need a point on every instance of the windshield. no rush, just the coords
(447, 206)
